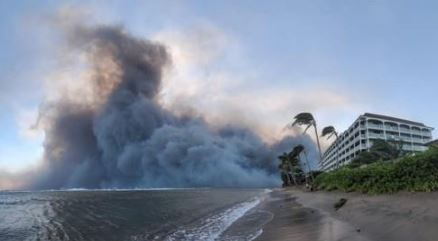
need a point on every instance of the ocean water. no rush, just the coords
(163, 214)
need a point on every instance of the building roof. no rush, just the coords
(385, 117)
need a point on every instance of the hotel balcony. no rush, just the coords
(391, 128)
(405, 130)
(376, 135)
(427, 134)
(416, 132)
(418, 140)
(392, 137)
(419, 148)
(375, 126)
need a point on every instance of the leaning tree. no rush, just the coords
(306, 119)
(330, 131)
(286, 169)
(296, 152)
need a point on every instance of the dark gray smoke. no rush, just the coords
(123, 137)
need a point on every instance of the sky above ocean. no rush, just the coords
(264, 60)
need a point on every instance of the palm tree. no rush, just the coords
(307, 119)
(308, 166)
(286, 167)
(330, 131)
(297, 150)
(284, 174)
(293, 163)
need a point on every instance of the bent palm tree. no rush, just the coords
(286, 167)
(306, 118)
(284, 174)
(330, 131)
(296, 151)
(293, 163)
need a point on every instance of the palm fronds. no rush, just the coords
(329, 131)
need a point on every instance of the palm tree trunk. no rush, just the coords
(286, 181)
(308, 166)
(292, 173)
(317, 141)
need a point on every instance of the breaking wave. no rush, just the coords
(212, 227)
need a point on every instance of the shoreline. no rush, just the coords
(311, 216)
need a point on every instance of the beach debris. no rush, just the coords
(340, 203)
(358, 230)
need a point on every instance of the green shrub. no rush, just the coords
(410, 173)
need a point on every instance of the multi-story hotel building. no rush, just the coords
(369, 127)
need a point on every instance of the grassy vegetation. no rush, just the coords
(409, 173)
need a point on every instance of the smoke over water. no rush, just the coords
(115, 133)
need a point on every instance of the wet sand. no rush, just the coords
(305, 216)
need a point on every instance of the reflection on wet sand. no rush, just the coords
(294, 222)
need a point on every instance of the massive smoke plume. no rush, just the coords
(118, 135)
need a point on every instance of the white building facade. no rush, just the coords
(368, 127)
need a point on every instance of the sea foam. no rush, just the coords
(212, 227)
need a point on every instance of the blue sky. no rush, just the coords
(337, 59)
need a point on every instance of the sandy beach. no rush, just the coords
(311, 216)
